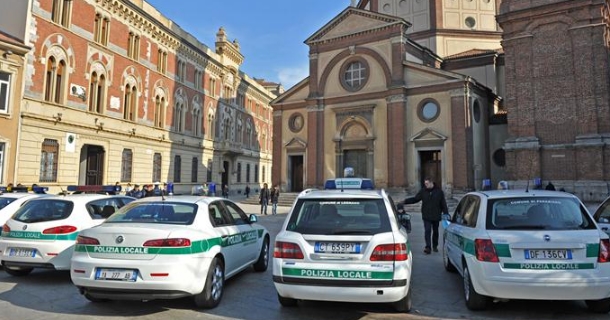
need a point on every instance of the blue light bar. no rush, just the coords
(96, 188)
(349, 183)
(24, 189)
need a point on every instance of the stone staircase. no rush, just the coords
(286, 199)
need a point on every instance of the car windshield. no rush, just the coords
(339, 217)
(5, 201)
(44, 210)
(539, 213)
(155, 212)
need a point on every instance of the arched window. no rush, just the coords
(54, 85)
(97, 92)
(130, 99)
(197, 120)
(178, 116)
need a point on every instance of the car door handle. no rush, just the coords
(605, 228)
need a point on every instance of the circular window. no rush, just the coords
(387, 7)
(296, 122)
(429, 111)
(499, 157)
(476, 112)
(470, 22)
(354, 74)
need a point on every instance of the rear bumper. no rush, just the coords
(491, 280)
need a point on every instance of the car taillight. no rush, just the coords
(60, 230)
(6, 228)
(86, 240)
(177, 242)
(604, 251)
(390, 252)
(485, 250)
(287, 250)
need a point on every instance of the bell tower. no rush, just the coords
(447, 27)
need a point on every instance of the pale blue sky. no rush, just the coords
(270, 32)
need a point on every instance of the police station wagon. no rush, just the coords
(164, 248)
(538, 245)
(343, 245)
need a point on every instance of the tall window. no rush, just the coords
(54, 85)
(181, 70)
(209, 173)
(240, 132)
(126, 165)
(61, 13)
(2, 148)
(177, 168)
(133, 48)
(194, 169)
(247, 172)
(159, 111)
(5, 86)
(256, 173)
(263, 175)
(161, 61)
(197, 122)
(178, 116)
(239, 172)
(211, 126)
(212, 87)
(97, 92)
(248, 141)
(156, 174)
(130, 99)
(48, 160)
(197, 80)
(101, 26)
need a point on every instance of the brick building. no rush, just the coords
(115, 91)
(400, 90)
(557, 93)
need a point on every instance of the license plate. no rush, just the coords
(337, 247)
(546, 254)
(20, 252)
(116, 274)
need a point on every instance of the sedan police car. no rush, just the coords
(42, 232)
(344, 244)
(12, 198)
(538, 245)
(602, 215)
(164, 248)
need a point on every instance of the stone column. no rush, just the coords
(396, 105)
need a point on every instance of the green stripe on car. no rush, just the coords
(29, 235)
(549, 266)
(338, 274)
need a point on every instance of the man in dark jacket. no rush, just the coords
(432, 207)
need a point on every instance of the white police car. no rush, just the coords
(538, 245)
(12, 198)
(164, 248)
(602, 215)
(346, 244)
(42, 232)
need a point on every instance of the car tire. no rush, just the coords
(18, 272)
(263, 258)
(214, 286)
(286, 302)
(474, 301)
(405, 304)
(598, 306)
(446, 262)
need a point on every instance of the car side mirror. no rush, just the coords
(252, 219)
(603, 220)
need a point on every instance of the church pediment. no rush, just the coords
(418, 75)
(428, 135)
(296, 143)
(297, 93)
(353, 21)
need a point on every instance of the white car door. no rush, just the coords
(250, 237)
(602, 216)
(229, 236)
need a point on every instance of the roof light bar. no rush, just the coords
(94, 188)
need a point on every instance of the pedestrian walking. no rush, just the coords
(432, 207)
(263, 198)
(225, 191)
(212, 189)
(275, 196)
(550, 186)
(247, 191)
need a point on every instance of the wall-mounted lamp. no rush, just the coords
(7, 53)
(57, 117)
(100, 125)
(162, 137)
(132, 132)
(182, 140)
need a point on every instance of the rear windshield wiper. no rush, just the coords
(527, 227)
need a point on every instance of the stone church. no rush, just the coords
(399, 90)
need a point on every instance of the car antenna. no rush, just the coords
(63, 193)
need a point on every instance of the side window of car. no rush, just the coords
(471, 212)
(216, 216)
(239, 217)
(458, 215)
(604, 214)
(104, 208)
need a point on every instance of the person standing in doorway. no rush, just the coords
(432, 207)
(275, 197)
(263, 198)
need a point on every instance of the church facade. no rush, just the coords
(391, 94)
